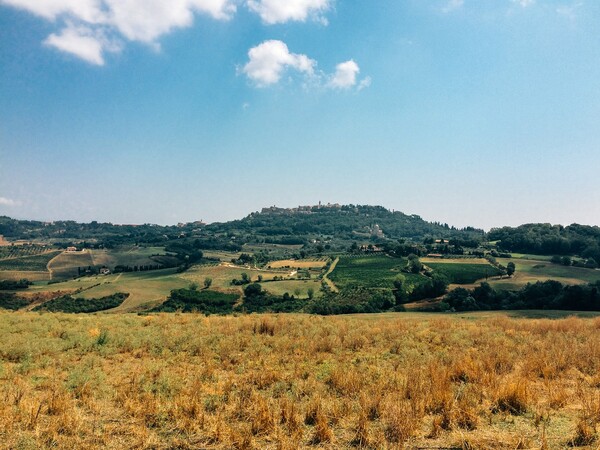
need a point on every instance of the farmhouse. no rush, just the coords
(104, 271)
(71, 249)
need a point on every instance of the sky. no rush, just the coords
(469, 112)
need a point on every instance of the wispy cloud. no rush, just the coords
(524, 3)
(452, 5)
(8, 202)
(569, 11)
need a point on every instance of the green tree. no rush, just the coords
(207, 282)
(310, 292)
(510, 268)
(414, 265)
(253, 290)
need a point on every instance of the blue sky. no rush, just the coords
(472, 112)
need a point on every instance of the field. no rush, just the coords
(316, 264)
(128, 256)
(221, 255)
(18, 251)
(223, 274)
(476, 381)
(34, 263)
(371, 272)
(465, 271)
(530, 271)
(20, 274)
(65, 264)
(145, 289)
(148, 289)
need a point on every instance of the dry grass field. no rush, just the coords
(299, 263)
(476, 381)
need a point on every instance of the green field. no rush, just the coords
(20, 274)
(150, 288)
(28, 263)
(19, 251)
(464, 272)
(65, 264)
(145, 289)
(371, 272)
(293, 287)
(221, 255)
(530, 271)
(130, 256)
(529, 256)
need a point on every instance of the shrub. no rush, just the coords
(82, 305)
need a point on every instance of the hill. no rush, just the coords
(327, 224)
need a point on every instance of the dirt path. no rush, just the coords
(332, 286)
(48, 268)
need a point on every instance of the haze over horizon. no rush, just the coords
(465, 112)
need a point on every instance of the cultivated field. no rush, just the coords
(371, 272)
(40, 275)
(149, 288)
(476, 381)
(65, 264)
(530, 271)
(18, 251)
(464, 271)
(316, 264)
(145, 289)
(224, 273)
(221, 255)
(128, 256)
(35, 263)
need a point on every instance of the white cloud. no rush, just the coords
(8, 202)
(79, 41)
(524, 3)
(90, 27)
(268, 61)
(453, 5)
(569, 11)
(281, 11)
(345, 75)
(146, 20)
(86, 10)
(364, 83)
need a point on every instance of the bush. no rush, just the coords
(193, 300)
(69, 304)
(11, 285)
(11, 301)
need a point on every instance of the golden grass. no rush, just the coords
(296, 381)
(298, 263)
